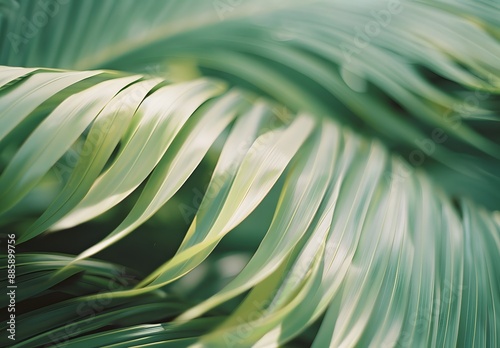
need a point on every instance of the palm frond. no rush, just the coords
(276, 99)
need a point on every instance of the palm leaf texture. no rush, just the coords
(319, 173)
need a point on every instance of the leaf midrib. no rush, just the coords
(169, 30)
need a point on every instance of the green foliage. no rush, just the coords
(277, 173)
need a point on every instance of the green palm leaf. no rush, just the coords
(299, 125)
